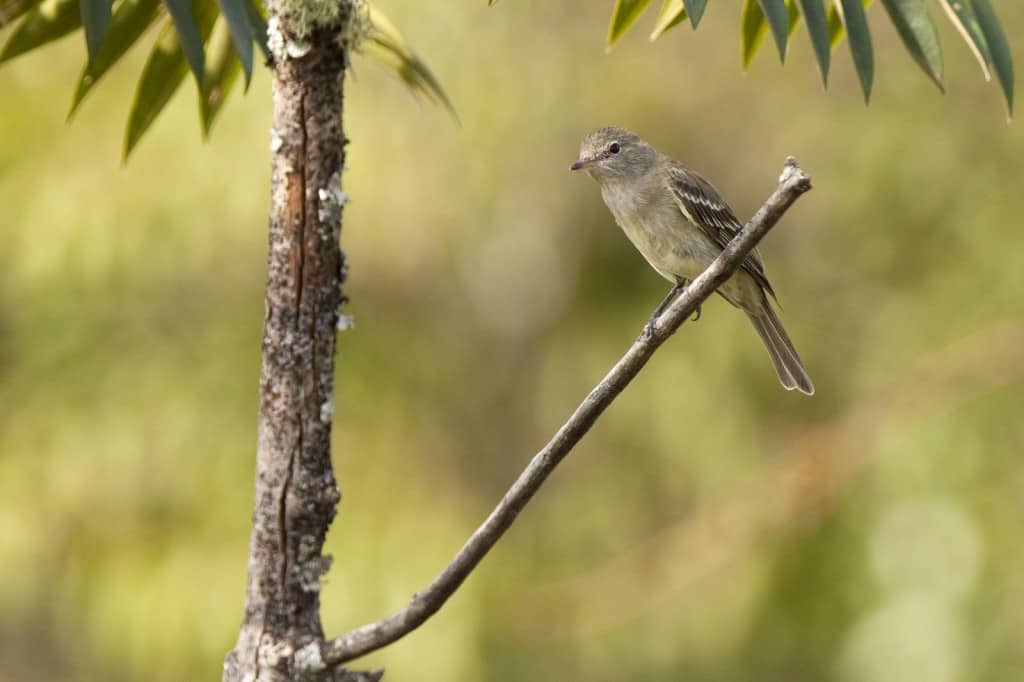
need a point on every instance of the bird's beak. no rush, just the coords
(582, 163)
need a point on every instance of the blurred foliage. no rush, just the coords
(711, 527)
(186, 40)
(975, 20)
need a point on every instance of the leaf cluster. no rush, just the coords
(829, 21)
(213, 39)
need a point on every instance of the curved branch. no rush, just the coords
(792, 183)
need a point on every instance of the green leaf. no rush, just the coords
(130, 21)
(162, 74)
(671, 14)
(222, 71)
(856, 24)
(47, 22)
(96, 20)
(389, 47)
(236, 15)
(835, 26)
(623, 16)
(752, 30)
(917, 31)
(695, 8)
(817, 29)
(835, 22)
(12, 9)
(778, 20)
(794, 18)
(258, 24)
(190, 39)
(1002, 61)
(961, 15)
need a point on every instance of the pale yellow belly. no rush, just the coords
(678, 251)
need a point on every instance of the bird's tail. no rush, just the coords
(788, 365)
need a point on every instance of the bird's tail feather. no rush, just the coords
(788, 365)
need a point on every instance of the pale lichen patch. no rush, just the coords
(327, 410)
(332, 200)
(297, 48)
(272, 652)
(275, 39)
(351, 18)
(309, 660)
(345, 322)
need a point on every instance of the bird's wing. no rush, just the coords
(701, 204)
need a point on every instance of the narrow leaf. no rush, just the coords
(817, 30)
(96, 16)
(671, 14)
(258, 24)
(222, 71)
(389, 47)
(161, 76)
(835, 26)
(961, 14)
(794, 18)
(1002, 61)
(695, 8)
(917, 31)
(236, 15)
(47, 22)
(190, 39)
(752, 30)
(856, 24)
(836, 32)
(778, 20)
(163, 73)
(12, 9)
(130, 21)
(623, 16)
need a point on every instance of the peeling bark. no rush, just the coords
(296, 492)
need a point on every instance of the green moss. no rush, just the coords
(302, 17)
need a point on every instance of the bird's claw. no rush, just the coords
(696, 314)
(648, 332)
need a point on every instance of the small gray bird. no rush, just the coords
(679, 223)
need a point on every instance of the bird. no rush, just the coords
(679, 223)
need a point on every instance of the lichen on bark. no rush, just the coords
(296, 492)
(349, 20)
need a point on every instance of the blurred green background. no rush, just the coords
(711, 527)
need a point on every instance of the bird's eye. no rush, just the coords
(614, 148)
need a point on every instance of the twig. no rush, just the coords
(807, 480)
(792, 183)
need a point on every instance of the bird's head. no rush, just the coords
(612, 153)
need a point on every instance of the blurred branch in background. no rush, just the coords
(792, 184)
(806, 480)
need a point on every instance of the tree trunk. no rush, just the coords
(296, 492)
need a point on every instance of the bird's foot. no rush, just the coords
(648, 332)
(696, 314)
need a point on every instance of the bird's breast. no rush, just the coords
(660, 232)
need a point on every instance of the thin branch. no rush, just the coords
(792, 183)
(808, 479)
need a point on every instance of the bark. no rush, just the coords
(296, 492)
